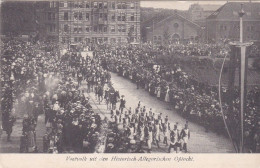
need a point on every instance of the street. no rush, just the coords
(200, 141)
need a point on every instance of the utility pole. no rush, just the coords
(242, 79)
(153, 36)
(243, 76)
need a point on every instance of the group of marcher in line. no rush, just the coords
(194, 100)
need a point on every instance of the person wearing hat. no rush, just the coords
(122, 104)
(174, 138)
(185, 136)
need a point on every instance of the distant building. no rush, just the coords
(47, 20)
(224, 22)
(17, 18)
(173, 28)
(90, 21)
(199, 12)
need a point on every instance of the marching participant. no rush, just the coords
(185, 136)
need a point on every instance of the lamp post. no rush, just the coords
(243, 76)
(242, 79)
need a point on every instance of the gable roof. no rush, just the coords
(181, 17)
(161, 15)
(229, 11)
(209, 7)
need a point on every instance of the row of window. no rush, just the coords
(99, 28)
(157, 38)
(102, 16)
(51, 28)
(96, 39)
(97, 5)
(236, 27)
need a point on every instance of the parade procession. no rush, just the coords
(102, 82)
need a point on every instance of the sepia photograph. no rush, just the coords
(117, 76)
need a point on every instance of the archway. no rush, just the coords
(175, 38)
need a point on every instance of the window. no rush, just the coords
(75, 29)
(105, 39)
(105, 5)
(119, 28)
(87, 5)
(80, 29)
(76, 5)
(80, 16)
(100, 28)
(65, 4)
(95, 4)
(175, 25)
(119, 17)
(87, 16)
(113, 17)
(80, 39)
(53, 16)
(123, 28)
(76, 15)
(49, 16)
(132, 5)
(113, 5)
(119, 5)
(66, 28)
(95, 28)
(100, 5)
(52, 28)
(61, 4)
(66, 16)
(132, 18)
(105, 29)
(123, 17)
(113, 28)
(105, 16)
(87, 29)
(75, 39)
(123, 5)
(81, 4)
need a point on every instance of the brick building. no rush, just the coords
(173, 28)
(91, 21)
(224, 22)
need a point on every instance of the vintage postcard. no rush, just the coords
(130, 83)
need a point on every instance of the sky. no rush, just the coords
(180, 5)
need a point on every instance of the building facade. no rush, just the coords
(173, 28)
(92, 21)
(199, 12)
(224, 22)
